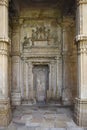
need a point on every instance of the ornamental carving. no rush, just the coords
(4, 2)
(26, 43)
(41, 34)
(40, 37)
(81, 38)
(81, 2)
(82, 48)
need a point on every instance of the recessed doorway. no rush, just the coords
(41, 82)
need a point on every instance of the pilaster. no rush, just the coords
(5, 110)
(81, 42)
(16, 92)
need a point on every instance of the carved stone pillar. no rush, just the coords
(81, 40)
(16, 61)
(5, 111)
(15, 93)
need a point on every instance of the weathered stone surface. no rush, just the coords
(40, 45)
(5, 112)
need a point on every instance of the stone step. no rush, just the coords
(39, 128)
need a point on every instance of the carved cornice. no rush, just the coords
(4, 3)
(33, 57)
(81, 2)
(81, 38)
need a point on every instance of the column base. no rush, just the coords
(5, 112)
(16, 98)
(80, 114)
(67, 102)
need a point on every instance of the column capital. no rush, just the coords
(81, 2)
(4, 2)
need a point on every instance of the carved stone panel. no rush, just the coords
(41, 79)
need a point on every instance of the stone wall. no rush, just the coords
(43, 37)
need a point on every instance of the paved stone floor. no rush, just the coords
(42, 118)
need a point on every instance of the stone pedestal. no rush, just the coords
(16, 98)
(81, 112)
(5, 112)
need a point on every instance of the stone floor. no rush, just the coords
(42, 118)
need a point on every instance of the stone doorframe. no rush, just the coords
(27, 70)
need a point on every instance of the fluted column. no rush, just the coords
(5, 111)
(81, 42)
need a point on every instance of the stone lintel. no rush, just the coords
(80, 114)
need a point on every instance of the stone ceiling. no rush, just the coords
(67, 7)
